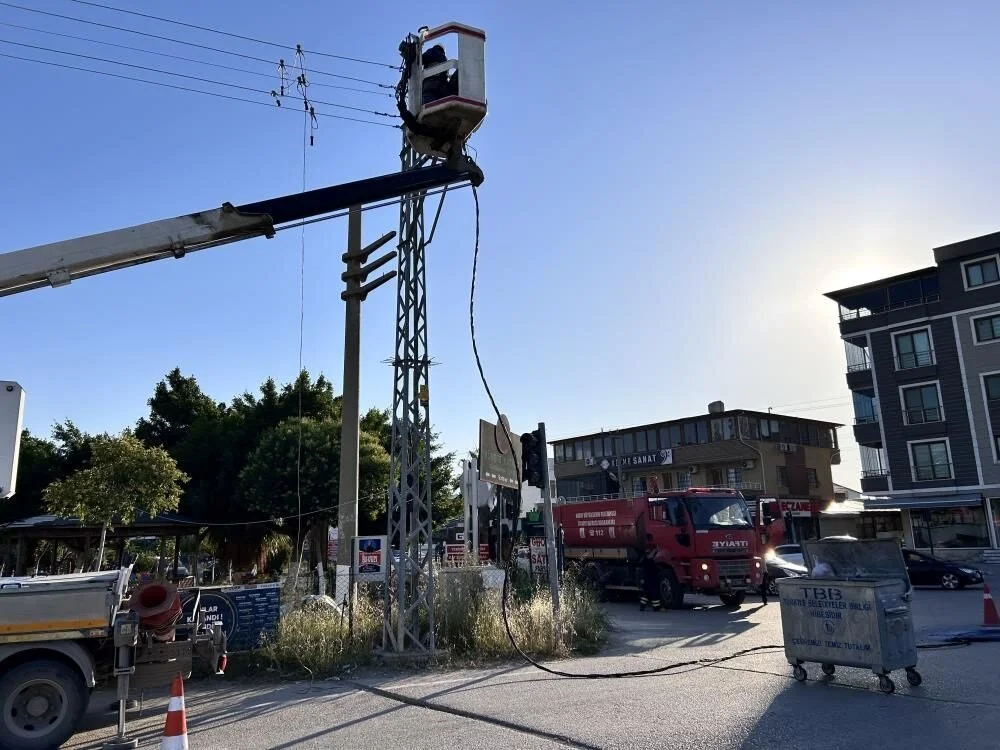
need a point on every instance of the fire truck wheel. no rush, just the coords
(42, 701)
(671, 594)
(733, 600)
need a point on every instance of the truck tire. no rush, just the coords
(733, 600)
(671, 593)
(42, 703)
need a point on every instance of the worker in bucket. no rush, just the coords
(651, 576)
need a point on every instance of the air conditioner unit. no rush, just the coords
(590, 462)
(748, 464)
(693, 469)
(783, 447)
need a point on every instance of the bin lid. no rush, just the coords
(857, 560)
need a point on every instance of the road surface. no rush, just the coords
(746, 703)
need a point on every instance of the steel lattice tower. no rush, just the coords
(409, 602)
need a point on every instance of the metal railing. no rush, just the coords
(932, 472)
(866, 312)
(911, 360)
(874, 473)
(920, 415)
(866, 419)
(859, 366)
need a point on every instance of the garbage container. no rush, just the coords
(852, 609)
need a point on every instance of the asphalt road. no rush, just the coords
(748, 702)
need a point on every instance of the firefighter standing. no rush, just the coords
(651, 575)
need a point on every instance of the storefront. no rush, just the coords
(851, 518)
(957, 527)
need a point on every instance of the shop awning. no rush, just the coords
(924, 501)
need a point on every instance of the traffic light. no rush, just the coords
(533, 459)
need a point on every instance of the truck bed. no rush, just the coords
(64, 606)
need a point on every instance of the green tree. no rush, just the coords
(177, 404)
(274, 479)
(125, 478)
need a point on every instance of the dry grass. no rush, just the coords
(469, 627)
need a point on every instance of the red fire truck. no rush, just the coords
(705, 542)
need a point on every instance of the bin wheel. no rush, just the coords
(799, 673)
(913, 677)
(885, 684)
(829, 669)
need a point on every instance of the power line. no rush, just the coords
(188, 77)
(176, 87)
(232, 35)
(200, 79)
(181, 41)
(810, 402)
(184, 59)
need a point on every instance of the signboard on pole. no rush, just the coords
(370, 558)
(539, 557)
(496, 463)
(332, 544)
(454, 554)
(484, 553)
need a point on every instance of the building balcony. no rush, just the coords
(874, 481)
(860, 378)
(867, 432)
(864, 318)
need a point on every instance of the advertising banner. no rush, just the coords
(370, 561)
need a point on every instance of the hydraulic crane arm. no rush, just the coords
(58, 263)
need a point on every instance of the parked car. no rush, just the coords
(925, 570)
(790, 552)
(780, 567)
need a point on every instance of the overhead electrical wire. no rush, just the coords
(186, 43)
(234, 36)
(189, 77)
(190, 89)
(220, 66)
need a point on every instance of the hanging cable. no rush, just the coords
(302, 84)
(194, 60)
(183, 88)
(230, 34)
(505, 591)
(186, 76)
(181, 41)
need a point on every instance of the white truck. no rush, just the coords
(61, 635)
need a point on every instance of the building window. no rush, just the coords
(921, 404)
(782, 476)
(981, 273)
(813, 478)
(734, 478)
(702, 431)
(996, 446)
(638, 485)
(640, 441)
(715, 478)
(690, 433)
(609, 447)
(717, 431)
(628, 444)
(559, 453)
(683, 480)
(913, 349)
(665, 437)
(930, 460)
(950, 528)
(675, 434)
(651, 439)
(987, 329)
(991, 384)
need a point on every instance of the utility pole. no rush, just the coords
(550, 539)
(350, 428)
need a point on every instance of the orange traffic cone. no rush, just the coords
(991, 619)
(175, 733)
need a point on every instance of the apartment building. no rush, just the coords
(923, 368)
(763, 454)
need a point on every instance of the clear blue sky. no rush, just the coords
(670, 189)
